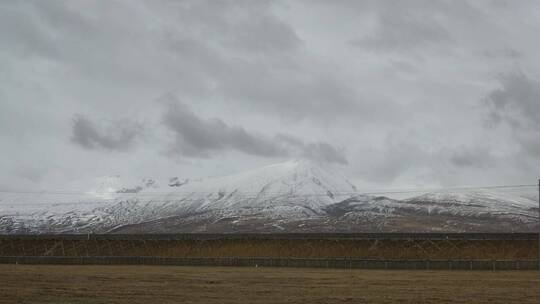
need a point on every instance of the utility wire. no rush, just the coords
(173, 192)
(168, 197)
(136, 200)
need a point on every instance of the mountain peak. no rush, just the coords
(302, 194)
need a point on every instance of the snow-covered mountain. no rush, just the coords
(455, 211)
(479, 203)
(294, 189)
(296, 196)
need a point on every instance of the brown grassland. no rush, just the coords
(323, 248)
(162, 284)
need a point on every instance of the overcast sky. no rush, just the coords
(391, 93)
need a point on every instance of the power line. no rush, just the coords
(449, 189)
(402, 190)
(250, 194)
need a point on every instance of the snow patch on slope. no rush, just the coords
(294, 189)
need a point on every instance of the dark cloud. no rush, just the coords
(259, 62)
(294, 93)
(55, 30)
(470, 156)
(502, 53)
(118, 136)
(404, 156)
(261, 32)
(249, 27)
(325, 152)
(234, 51)
(319, 151)
(267, 71)
(398, 32)
(198, 137)
(406, 26)
(516, 103)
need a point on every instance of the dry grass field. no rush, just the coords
(322, 248)
(162, 284)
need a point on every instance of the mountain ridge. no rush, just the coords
(295, 196)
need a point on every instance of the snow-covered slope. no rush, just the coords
(279, 187)
(294, 189)
(293, 196)
(477, 203)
